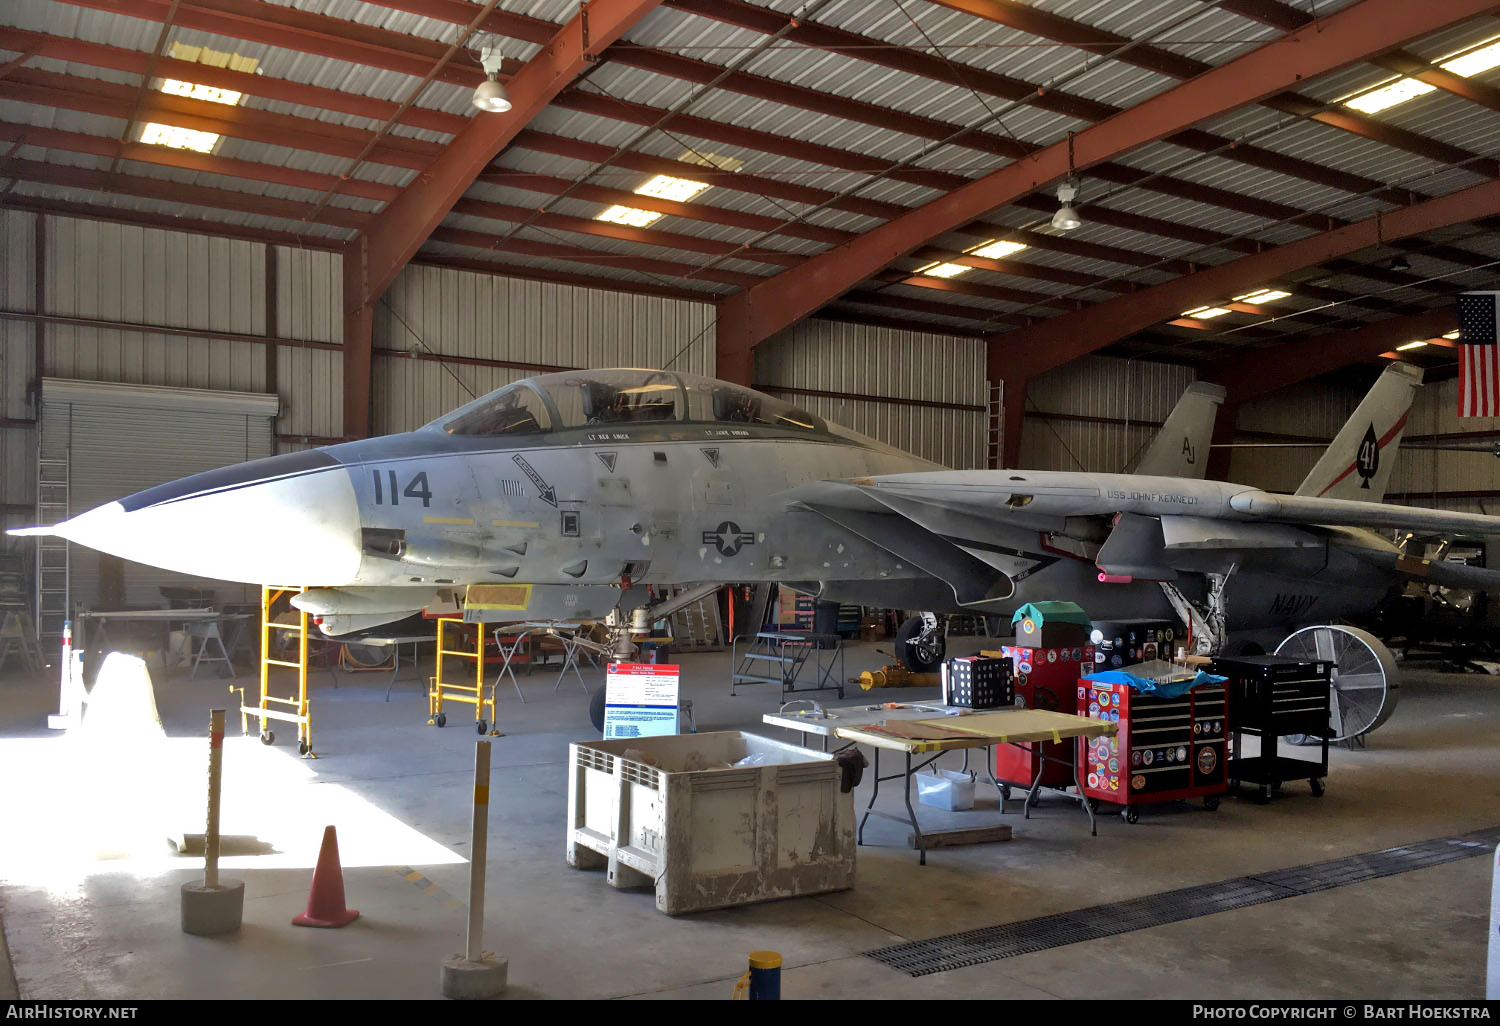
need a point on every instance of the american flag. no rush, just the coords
(1478, 354)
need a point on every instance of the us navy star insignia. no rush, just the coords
(728, 539)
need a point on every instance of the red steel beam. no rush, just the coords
(1062, 339)
(49, 89)
(1077, 34)
(189, 160)
(176, 192)
(135, 62)
(1348, 35)
(293, 29)
(424, 203)
(1251, 375)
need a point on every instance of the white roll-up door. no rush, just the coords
(119, 439)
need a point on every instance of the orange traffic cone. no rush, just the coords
(325, 902)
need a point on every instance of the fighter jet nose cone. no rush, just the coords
(290, 519)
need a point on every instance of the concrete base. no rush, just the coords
(464, 980)
(211, 910)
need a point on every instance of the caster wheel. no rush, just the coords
(1033, 799)
(268, 737)
(1316, 783)
(441, 719)
(1005, 792)
(1211, 803)
(1263, 796)
(303, 747)
(481, 727)
(1131, 814)
(1093, 805)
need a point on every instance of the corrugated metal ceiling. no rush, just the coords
(1183, 27)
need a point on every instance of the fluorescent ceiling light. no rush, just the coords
(1410, 345)
(1475, 62)
(1399, 91)
(678, 190)
(632, 216)
(943, 270)
(998, 250)
(178, 138)
(1205, 313)
(1450, 334)
(198, 91)
(1262, 296)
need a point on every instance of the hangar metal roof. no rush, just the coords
(857, 112)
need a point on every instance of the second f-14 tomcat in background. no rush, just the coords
(563, 496)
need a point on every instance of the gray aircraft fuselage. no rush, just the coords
(704, 485)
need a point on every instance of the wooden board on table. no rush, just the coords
(1026, 725)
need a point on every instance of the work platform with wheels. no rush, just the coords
(269, 706)
(452, 634)
(784, 654)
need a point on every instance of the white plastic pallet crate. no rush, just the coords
(707, 834)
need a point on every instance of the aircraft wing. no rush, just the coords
(1302, 509)
(954, 523)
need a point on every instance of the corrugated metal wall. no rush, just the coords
(309, 306)
(1309, 410)
(17, 444)
(1418, 474)
(857, 361)
(1129, 398)
(479, 316)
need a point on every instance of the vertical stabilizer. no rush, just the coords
(1180, 449)
(1358, 464)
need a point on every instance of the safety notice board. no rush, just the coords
(640, 700)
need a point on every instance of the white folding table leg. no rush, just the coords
(506, 655)
(570, 661)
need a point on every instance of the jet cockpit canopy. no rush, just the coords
(581, 399)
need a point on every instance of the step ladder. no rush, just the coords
(778, 657)
(458, 640)
(697, 627)
(53, 554)
(273, 707)
(18, 637)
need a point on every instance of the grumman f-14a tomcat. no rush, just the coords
(564, 496)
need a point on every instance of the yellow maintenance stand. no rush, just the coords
(270, 707)
(453, 689)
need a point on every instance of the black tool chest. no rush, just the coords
(1274, 696)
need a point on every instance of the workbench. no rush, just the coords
(932, 730)
(204, 624)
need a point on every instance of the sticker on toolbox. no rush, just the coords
(1114, 714)
(1024, 667)
(1093, 780)
(1051, 655)
(1182, 753)
(1207, 760)
(1148, 757)
(1137, 782)
(1093, 708)
(1114, 765)
(1078, 655)
(1114, 783)
(1135, 758)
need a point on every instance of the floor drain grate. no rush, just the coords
(992, 943)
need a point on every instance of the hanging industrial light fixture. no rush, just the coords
(490, 96)
(1066, 218)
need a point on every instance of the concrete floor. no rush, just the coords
(89, 897)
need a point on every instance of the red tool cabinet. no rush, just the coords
(1044, 678)
(1166, 748)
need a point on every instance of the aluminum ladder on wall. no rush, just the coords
(52, 553)
(697, 627)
